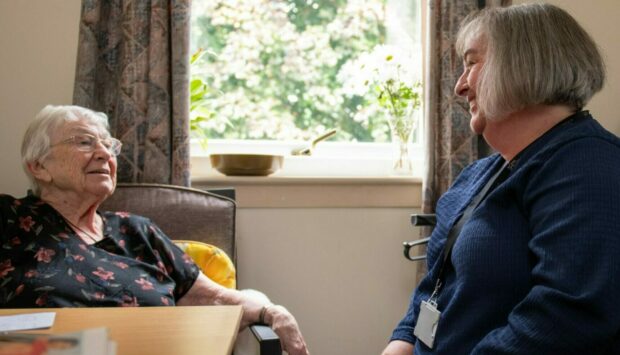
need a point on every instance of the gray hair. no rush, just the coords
(536, 54)
(36, 142)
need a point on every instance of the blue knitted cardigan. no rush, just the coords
(536, 270)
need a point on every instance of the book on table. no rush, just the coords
(85, 342)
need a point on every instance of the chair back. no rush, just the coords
(181, 212)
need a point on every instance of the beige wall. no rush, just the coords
(340, 270)
(38, 41)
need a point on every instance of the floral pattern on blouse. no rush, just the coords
(43, 263)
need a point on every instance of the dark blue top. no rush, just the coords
(536, 270)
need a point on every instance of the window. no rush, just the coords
(268, 76)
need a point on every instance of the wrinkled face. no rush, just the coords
(473, 62)
(71, 167)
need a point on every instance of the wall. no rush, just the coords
(39, 45)
(339, 270)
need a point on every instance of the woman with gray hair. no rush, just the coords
(58, 250)
(524, 256)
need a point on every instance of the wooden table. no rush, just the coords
(154, 330)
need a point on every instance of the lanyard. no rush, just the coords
(500, 176)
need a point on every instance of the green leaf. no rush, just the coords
(197, 55)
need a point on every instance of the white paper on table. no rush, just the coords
(27, 321)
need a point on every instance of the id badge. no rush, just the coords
(426, 326)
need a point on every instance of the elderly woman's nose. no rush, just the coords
(101, 151)
(461, 87)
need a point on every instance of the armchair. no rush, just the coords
(194, 215)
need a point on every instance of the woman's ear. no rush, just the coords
(39, 172)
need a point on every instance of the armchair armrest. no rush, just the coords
(258, 340)
(407, 249)
(418, 220)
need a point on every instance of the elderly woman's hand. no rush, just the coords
(256, 308)
(284, 324)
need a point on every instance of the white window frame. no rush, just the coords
(328, 159)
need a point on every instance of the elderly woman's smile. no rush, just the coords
(82, 161)
(99, 172)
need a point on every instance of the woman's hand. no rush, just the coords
(398, 347)
(206, 292)
(284, 324)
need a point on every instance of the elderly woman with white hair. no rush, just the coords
(525, 255)
(58, 250)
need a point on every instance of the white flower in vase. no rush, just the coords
(388, 76)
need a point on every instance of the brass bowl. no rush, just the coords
(246, 164)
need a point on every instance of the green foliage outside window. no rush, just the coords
(270, 69)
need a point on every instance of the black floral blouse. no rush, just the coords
(43, 263)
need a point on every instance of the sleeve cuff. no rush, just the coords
(404, 334)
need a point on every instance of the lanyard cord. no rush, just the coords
(500, 176)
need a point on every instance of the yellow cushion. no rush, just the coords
(213, 261)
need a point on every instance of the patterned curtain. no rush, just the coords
(450, 145)
(133, 64)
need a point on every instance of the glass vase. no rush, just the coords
(401, 131)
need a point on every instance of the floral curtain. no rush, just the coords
(133, 64)
(450, 145)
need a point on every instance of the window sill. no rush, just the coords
(334, 192)
(336, 175)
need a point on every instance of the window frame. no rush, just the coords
(330, 160)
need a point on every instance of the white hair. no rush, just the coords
(36, 142)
